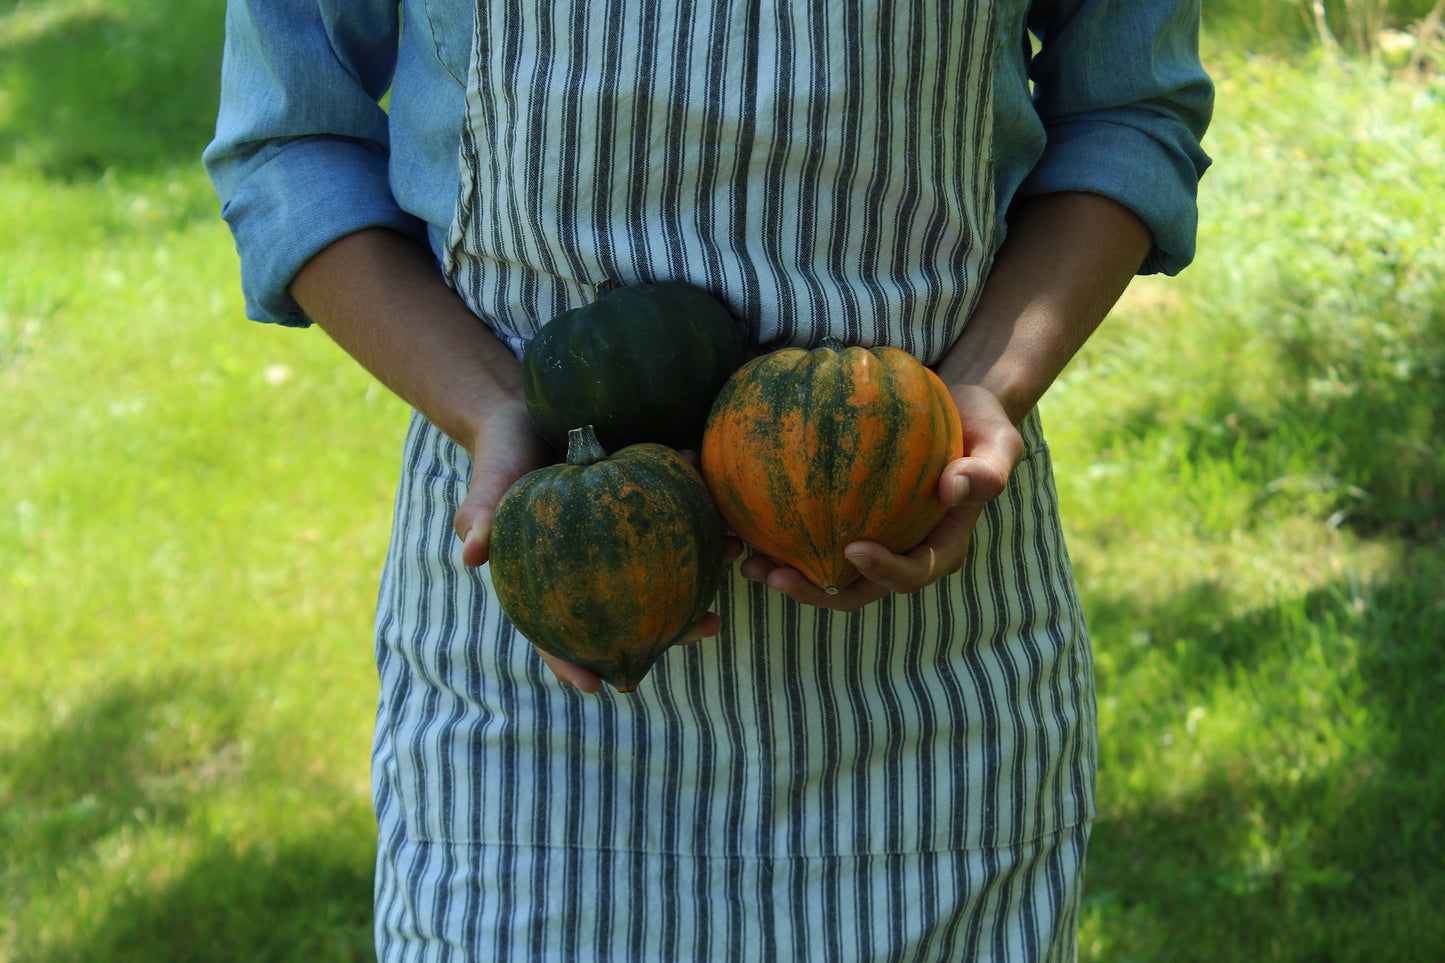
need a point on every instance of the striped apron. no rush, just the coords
(913, 781)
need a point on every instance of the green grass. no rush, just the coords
(1256, 509)
(193, 510)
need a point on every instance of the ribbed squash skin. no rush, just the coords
(807, 451)
(641, 363)
(606, 564)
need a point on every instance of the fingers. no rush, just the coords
(992, 449)
(510, 453)
(939, 556)
(583, 680)
(790, 582)
(589, 682)
(491, 477)
(474, 528)
(732, 548)
(706, 628)
(882, 571)
(473, 520)
(975, 479)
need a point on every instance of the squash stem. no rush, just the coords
(583, 447)
(832, 344)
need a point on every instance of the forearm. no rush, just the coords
(1066, 260)
(379, 295)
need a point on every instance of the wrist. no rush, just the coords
(380, 296)
(1016, 389)
(1066, 259)
(492, 415)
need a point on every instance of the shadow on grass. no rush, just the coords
(295, 902)
(124, 84)
(116, 760)
(141, 761)
(1256, 882)
(1335, 863)
(1373, 452)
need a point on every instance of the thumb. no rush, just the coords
(981, 475)
(473, 525)
(473, 520)
(974, 479)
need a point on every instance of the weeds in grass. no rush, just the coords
(1378, 30)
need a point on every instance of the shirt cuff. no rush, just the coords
(1129, 163)
(309, 193)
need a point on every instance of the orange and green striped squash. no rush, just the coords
(806, 451)
(607, 561)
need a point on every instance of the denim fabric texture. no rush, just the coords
(1107, 97)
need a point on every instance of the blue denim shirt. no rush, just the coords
(1108, 97)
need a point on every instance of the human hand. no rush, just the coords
(507, 447)
(992, 449)
(709, 625)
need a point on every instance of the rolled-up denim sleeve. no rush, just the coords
(300, 155)
(1125, 102)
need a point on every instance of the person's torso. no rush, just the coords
(824, 168)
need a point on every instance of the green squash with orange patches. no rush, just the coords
(608, 561)
(807, 451)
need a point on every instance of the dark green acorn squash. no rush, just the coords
(640, 363)
(607, 561)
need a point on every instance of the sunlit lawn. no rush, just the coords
(193, 510)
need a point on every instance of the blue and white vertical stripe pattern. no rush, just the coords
(822, 166)
(910, 782)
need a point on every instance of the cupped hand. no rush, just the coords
(507, 447)
(585, 680)
(709, 625)
(992, 449)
